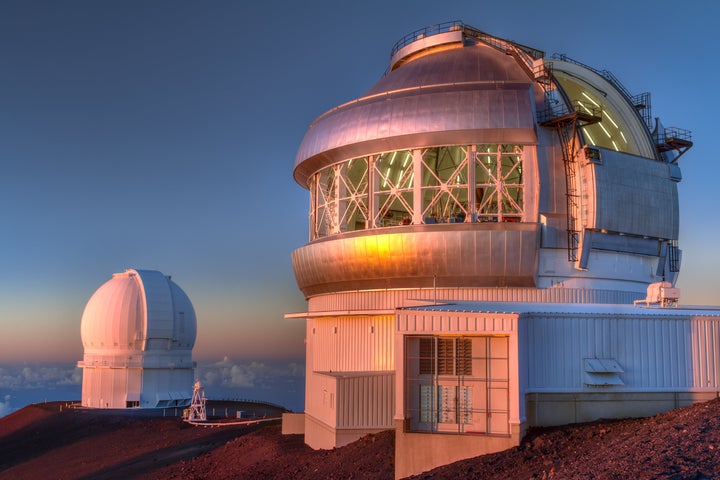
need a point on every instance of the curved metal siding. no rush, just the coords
(494, 106)
(114, 317)
(390, 299)
(471, 63)
(656, 353)
(449, 97)
(347, 344)
(408, 119)
(482, 255)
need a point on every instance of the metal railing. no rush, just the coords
(527, 54)
(552, 112)
(426, 32)
(674, 133)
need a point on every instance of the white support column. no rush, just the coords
(335, 227)
(372, 192)
(341, 198)
(499, 192)
(399, 374)
(417, 187)
(471, 160)
(516, 401)
(313, 218)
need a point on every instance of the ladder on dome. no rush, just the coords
(674, 256)
(566, 120)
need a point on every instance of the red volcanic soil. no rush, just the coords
(42, 442)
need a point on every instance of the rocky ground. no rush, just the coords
(42, 442)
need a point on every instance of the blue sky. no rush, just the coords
(162, 135)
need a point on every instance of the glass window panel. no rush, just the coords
(352, 195)
(498, 183)
(394, 173)
(427, 356)
(340, 201)
(445, 184)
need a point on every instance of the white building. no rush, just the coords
(138, 330)
(481, 222)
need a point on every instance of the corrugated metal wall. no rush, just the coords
(366, 401)
(705, 354)
(454, 322)
(352, 401)
(656, 352)
(389, 299)
(352, 344)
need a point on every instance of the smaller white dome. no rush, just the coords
(138, 310)
(138, 330)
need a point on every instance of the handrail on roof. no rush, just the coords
(426, 32)
(467, 29)
(503, 44)
(527, 57)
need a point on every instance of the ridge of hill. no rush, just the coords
(43, 441)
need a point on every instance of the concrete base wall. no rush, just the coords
(547, 409)
(323, 437)
(293, 423)
(419, 452)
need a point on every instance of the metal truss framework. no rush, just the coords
(459, 184)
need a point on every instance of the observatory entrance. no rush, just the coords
(457, 384)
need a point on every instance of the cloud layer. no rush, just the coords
(21, 385)
(281, 383)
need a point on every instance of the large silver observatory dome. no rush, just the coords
(485, 224)
(477, 162)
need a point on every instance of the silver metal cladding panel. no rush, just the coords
(472, 255)
(472, 63)
(443, 115)
(423, 44)
(635, 195)
(465, 95)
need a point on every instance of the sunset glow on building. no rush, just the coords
(482, 222)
